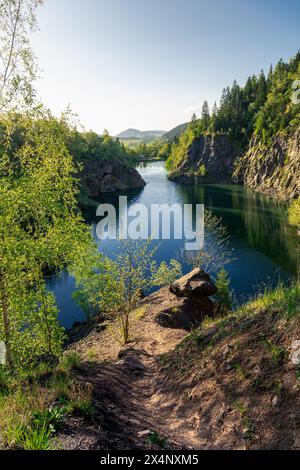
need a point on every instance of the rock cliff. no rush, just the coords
(273, 169)
(209, 159)
(101, 177)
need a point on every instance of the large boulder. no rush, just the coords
(194, 285)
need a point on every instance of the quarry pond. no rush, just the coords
(263, 244)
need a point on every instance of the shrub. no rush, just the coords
(70, 361)
(202, 171)
(294, 213)
(224, 294)
(37, 438)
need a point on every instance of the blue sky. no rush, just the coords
(149, 64)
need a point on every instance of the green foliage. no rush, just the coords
(164, 151)
(86, 146)
(40, 231)
(278, 353)
(49, 418)
(113, 286)
(263, 106)
(283, 301)
(179, 150)
(294, 213)
(20, 424)
(17, 65)
(278, 113)
(155, 438)
(224, 294)
(156, 150)
(36, 438)
(216, 252)
(33, 408)
(205, 116)
(84, 407)
(125, 278)
(69, 361)
(202, 171)
(166, 274)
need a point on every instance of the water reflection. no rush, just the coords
(265, 245)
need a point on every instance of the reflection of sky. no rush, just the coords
(260, 237)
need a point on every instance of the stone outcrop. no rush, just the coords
(101, 177)
(214, 155)
(189, 301)
(272, 169)
(194, 285)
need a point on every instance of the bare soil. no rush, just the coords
(229, 385)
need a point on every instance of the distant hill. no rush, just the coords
(142, 135)
(134, 137)
(175, 132)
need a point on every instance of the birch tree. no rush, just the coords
(41, 230)
(17, 62)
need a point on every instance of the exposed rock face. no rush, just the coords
(194, 285)
(102, 177)
(214, 153)
(274, 169)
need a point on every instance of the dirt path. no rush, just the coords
(228, 391)
(131, 398)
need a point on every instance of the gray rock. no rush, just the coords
(196, 284)
(215, 152)
(101, 177)
(295, 353)
(275, 400)
(144, 433)
(273, 169)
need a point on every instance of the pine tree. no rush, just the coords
(205, 115)
(224, 294)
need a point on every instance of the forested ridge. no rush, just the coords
(263, 107)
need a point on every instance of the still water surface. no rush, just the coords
(264, 244)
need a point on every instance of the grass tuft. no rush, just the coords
(70, 361)
(32, 410)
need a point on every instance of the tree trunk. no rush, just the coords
(6, 324)
(125, 328)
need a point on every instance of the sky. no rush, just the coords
(149, 64)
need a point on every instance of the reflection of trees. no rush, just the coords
(250, 216)
(110, 198)
(216, 252)
(267, 229)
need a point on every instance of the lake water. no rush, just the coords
(264, 244)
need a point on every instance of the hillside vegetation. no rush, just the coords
(231, 383)
(262, 109)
